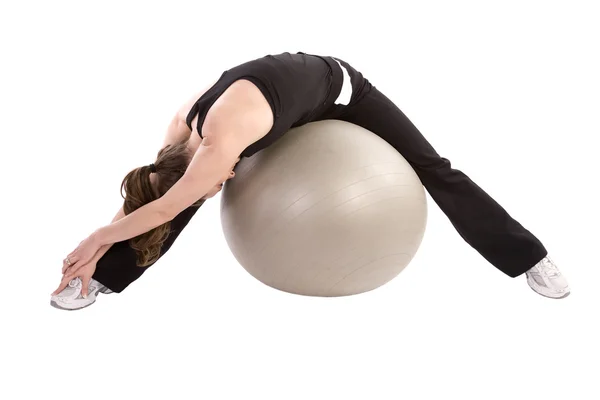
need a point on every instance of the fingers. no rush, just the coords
(70, 270)
(68, 277)
(62, 286)
(74, 268)
(85, 281)
(72, 274)
(70, 261)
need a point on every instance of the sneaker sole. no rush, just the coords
(56, 305)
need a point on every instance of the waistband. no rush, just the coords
(337, 79)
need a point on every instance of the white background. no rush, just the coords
(508, 91)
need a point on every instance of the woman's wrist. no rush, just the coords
(101, 252)
(100, 238)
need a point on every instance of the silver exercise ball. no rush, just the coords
(330, 209)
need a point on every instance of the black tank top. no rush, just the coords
(299, 88)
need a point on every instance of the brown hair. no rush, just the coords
(171, 163)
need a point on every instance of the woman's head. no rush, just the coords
(142, 186)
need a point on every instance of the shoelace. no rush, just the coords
(74, 282)
(549, 269)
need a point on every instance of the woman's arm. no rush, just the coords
(178, 130)
(210, 162)
(104, 249)
(238, 118)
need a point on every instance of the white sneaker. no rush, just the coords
(71, 299)
(545, 278)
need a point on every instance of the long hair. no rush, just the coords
(171, 163)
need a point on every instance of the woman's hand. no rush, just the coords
(82, 254)
(84, 272)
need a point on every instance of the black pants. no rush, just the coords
(117, 269)
(479, 220)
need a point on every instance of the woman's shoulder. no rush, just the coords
(242, 111)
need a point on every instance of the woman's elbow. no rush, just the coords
(164, 211)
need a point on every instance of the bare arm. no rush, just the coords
(104, 249)
(239, 117)
(210, 162)
(178, 130)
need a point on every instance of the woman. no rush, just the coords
(248, 108)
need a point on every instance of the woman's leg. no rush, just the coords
(479, 220)
(117, 269)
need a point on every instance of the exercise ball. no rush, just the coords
(329, 209)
